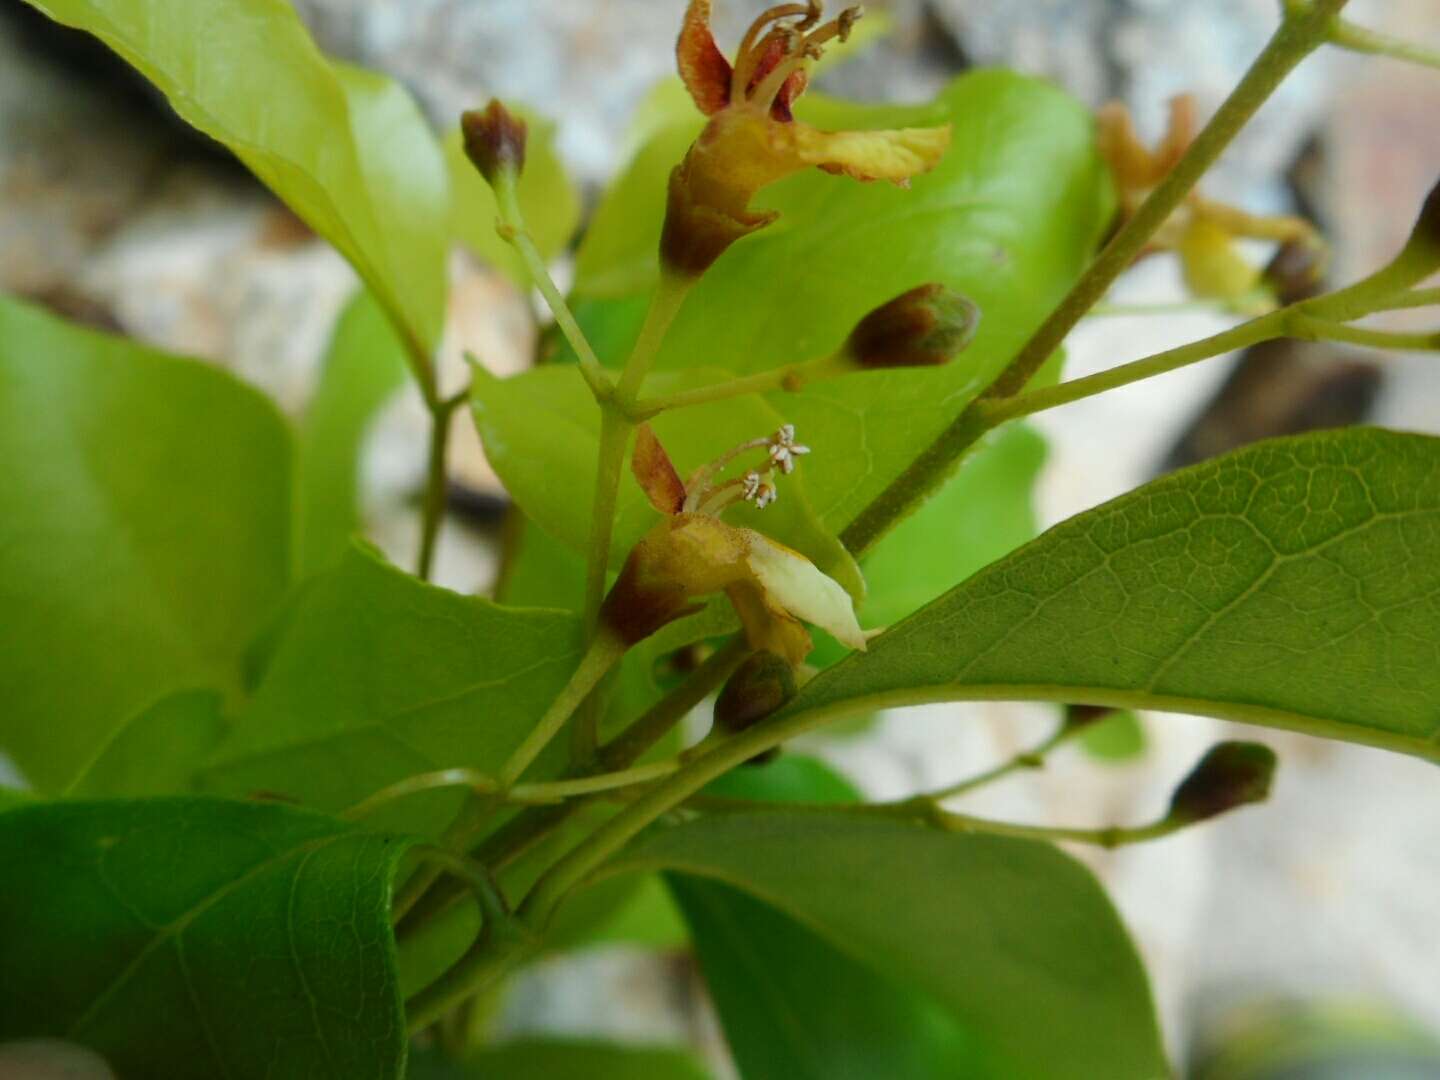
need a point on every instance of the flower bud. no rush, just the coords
(494, 140)
(1080, 717)
(760, 686)
(695, 234)
(924, 327)
(1421, 254)
(1296, 271)
(1229, 776)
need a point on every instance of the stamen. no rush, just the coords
(698, 488)
(747, 55)
(812, 48)
(784, 449)
(754, 487)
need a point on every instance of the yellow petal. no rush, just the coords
(873, 155)
(793, 582)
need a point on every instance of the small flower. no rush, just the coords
(1203, 232)
(753, 138)
(692, 553)
(784, 449)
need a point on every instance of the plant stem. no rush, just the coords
(433, 508)
(651, 726)
(1414, 298)
(512, 228)
(609, 465)
(665, 304)
(1300, 33)
(1034, 758)
(1264, 328)
(1312, 329)
(603, 653)
(1363, 40)
(793, 377)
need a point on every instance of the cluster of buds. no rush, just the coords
(692, 553)
(752, 138)
(1201, 231)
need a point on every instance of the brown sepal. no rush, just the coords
(695, 235)
(703, 67)
(655, 472)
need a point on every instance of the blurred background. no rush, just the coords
(114, 213)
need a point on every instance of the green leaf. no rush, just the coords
(984, 512)
(1293, 584)
(792, 1004)
(541, 431)
(794, 1007)
(1013, 938)
(364, 366)
(144, 534)
(159, 751)
(200, 938)
(347, 149)
(1117, 738)
(549, 201)
(547, 1059)
(1009, 218)
(378, 676)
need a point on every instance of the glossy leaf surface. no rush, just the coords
(364, 366)
(378, 676)
(999, 932)
(1295, 584)
(201, 938)
(144, 534)
(349, 151)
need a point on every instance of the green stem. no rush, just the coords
(513, 230)
(1312, 329)
(1264, 328)
(433, 507)
(1300, 33)
(600, 657)
(791, 378)
(1034, 758)
(609, 466)
(665, 304)
(1363, 40)
(1414, 298)
(923, 810)
(652, 725)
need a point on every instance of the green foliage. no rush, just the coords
(542, 1059)
(793, 1004)
(1119, 737)
(144, 526)
(1281, 585)
(201, 938)
(999, 932)
(158, 751)
(365, 365)
(378, 676)
(1008, 219)
(348, 151)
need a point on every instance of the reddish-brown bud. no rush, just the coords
(1079, 717)
(1422, 251)
(1232, 774)
(1296, 271)
(760, 686)
(924, 327)
(494, 140)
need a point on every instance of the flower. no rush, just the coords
(753, 139)
(1201, 230)
(692, 553)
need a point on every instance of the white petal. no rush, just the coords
(794, 582)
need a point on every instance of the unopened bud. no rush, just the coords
(1421, 255)
(1296, 271)
(1079, 717)
(760, 686)
(924, 327)
(1232, 774)
(494, 140)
